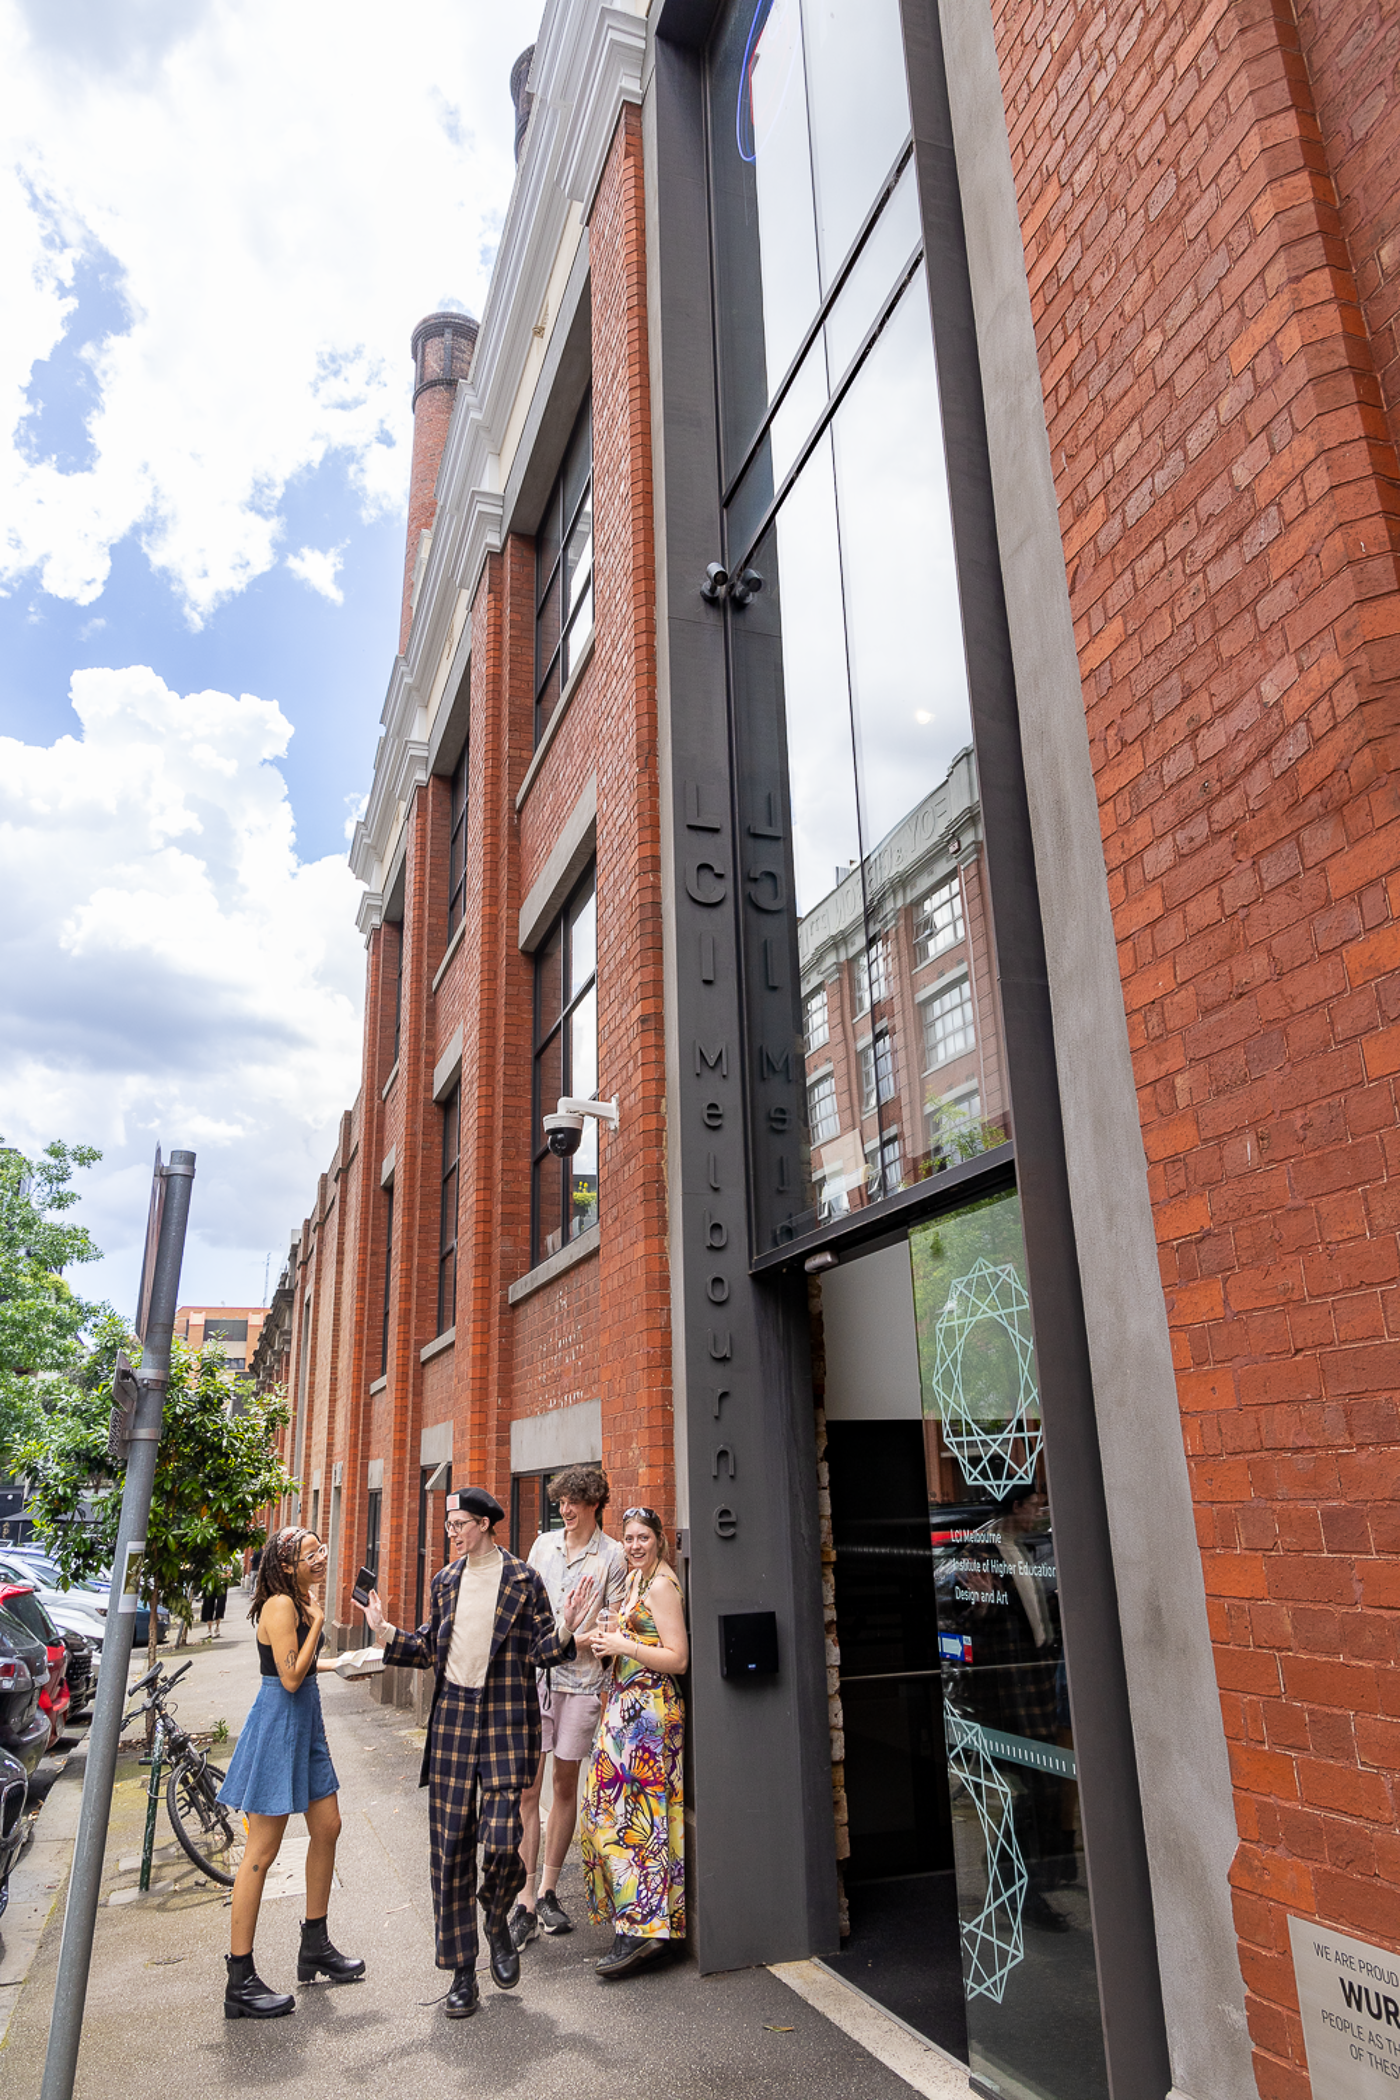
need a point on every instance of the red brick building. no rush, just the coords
(898, 689)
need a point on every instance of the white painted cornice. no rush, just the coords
(587, 65)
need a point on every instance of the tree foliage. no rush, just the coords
(216, 1469)
(41, 1316)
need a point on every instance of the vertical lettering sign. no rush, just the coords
(775, 1049)
(714, 1225)
(1349, 1997)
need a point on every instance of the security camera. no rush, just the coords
(563, 1135)
(563, 1131)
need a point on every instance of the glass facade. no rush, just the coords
(850, 681)
(876, 1047)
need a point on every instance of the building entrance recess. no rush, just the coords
(966, 1881)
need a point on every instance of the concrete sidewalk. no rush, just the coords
(154, 2008)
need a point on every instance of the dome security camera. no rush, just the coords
(563, 1135)
(563, 1131)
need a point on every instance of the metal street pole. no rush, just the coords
(75, 1952)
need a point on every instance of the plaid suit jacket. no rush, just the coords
(523, 1640)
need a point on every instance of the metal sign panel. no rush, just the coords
(1349, 1997)
(148, 1259)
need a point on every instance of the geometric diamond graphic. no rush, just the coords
(987, 1426)
(994, 1939)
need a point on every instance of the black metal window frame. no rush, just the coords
(398, 982)
(541, 1041)
(523, 1488)
(457, 846)
(559, 627)
(447, 1210)
(388, 1275)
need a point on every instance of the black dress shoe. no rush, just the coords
(627, 1954)
(247, 1997)
(319, 1958)
(505, 1961)
(464, 1997)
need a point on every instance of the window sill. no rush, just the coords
(379, 1383)
(535, 1279)
(393, 1075)
(436, 1347)
(575, 678)
(451, 949)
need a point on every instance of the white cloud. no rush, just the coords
(176, 972)
(319, 568)
(282, 191)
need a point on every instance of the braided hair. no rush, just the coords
(277, 1570)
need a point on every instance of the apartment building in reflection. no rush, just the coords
(900, 1015)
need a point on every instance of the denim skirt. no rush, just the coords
(282, 1760)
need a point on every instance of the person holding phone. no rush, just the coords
(489, 1629)
(282, 1767)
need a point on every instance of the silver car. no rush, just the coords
(71, 1609)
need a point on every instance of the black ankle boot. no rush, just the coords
(319, 1958)
(247, 1997)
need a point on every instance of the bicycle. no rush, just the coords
(210, 1833)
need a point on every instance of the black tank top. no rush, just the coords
(267, 1663)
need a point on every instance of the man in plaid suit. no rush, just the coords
(490, 1628)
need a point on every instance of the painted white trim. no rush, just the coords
(545, 1272)
(436, 1347)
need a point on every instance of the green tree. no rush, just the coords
(216, 1469)
(42, 1318)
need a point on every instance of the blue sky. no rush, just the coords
(219, 222)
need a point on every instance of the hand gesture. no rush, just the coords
(374, 1612)
(607, 1639)
(578, 1602)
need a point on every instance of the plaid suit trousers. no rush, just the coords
(464, 1812)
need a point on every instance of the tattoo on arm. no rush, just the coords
(291, 1659)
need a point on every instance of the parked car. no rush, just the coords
(88, 1595)
(14, 1827)
(24, 1676)
(21, 1601)
(71, 1609)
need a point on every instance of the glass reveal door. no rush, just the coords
(1029, 1982)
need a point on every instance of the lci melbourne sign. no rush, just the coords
(1349, 1996)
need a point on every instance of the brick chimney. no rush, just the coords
(442, 355)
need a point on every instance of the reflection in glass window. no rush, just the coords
(822, 1111)
(948, 1030)
(1034, 2024)
(564, 573)
(457, 846)
(876, 1072)
(564, 1192)
(882, 1165)
(938, 921)
(818, 1028)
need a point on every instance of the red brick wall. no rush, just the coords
(1227, 485)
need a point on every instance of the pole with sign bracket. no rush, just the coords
(136, 1425)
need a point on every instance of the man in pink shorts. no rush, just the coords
(570, 1693)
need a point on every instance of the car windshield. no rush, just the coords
(21, 1639)
(24, 1605)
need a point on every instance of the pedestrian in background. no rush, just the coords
(281, 1766)
(212, 1610)
(570, 1693)
(488, 1631)
(633, 1827)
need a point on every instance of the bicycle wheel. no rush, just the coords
(211, 1834)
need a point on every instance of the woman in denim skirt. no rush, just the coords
(282, 1767)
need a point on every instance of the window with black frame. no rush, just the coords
(457, 847)
(396, 935)
(564, 1192)
(388, 1275)
(564, 573)
(447, 1212)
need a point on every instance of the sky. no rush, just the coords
(219, 223)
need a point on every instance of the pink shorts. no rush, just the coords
(568, 1720)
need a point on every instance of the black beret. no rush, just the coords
(475, 1502)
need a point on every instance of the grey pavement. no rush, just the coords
(154, 2010)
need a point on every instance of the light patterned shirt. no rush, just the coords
(604, 1561)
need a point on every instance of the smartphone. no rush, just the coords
(364, 1583)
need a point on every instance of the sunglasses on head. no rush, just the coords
(649, 1515)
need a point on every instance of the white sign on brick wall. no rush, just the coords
(1349, 1996)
